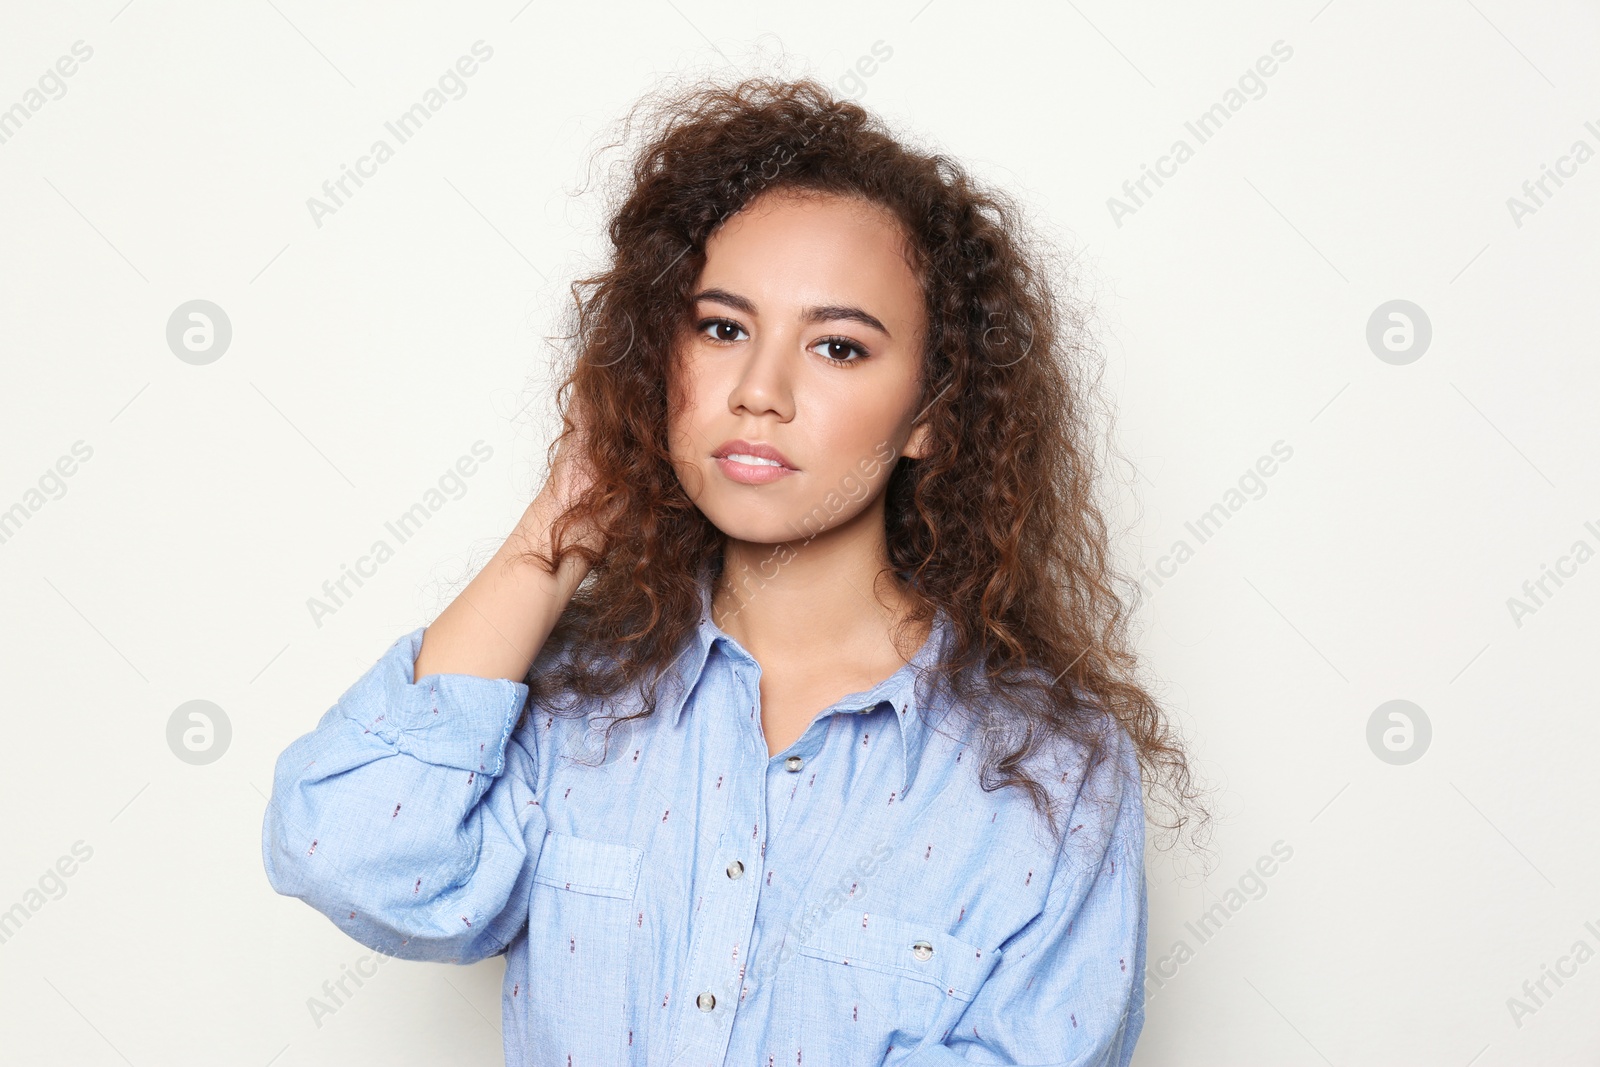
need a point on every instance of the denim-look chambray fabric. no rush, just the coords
(856, 899)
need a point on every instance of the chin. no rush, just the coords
(760, 529)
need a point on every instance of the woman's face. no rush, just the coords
(805, 340)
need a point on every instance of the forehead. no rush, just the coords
(828, 245)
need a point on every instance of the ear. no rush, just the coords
(917, 444)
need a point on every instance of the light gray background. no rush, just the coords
(371, 352)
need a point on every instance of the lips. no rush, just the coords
(753, 449)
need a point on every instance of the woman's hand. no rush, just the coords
(571, 476)
(571, 473)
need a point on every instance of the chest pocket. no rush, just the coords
(584, 865)
(580, 921)
(920, 952)
(882, 982)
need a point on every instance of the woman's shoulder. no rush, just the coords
(1088, 774)
(564, 724)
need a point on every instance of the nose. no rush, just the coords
(763, 386)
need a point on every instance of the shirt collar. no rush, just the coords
(907, 692)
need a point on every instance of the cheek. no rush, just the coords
(686, 411)
(867, 424)
(682, 436)
(688, 424)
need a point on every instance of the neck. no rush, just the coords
(802, 600)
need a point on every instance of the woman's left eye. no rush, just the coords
(847, 345)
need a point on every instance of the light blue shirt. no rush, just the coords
(856, 899)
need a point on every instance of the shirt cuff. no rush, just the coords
(451, 720)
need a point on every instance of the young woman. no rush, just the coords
(795, 723)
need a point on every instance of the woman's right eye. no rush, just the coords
(719, 324)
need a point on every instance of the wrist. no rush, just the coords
(535, 533)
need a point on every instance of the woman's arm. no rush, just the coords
(1069, 988)
(409, 814)
(499, 622)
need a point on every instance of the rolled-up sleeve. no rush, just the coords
(409, 815)
(1069, 988)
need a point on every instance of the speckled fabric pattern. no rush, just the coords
(680, 897)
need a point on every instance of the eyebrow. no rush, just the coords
(809, 315)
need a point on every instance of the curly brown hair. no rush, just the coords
(998, 524)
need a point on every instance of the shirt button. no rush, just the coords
(735, 869)
(922, 950)
(794, 763)
(707, 1001)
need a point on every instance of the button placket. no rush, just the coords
(784, 786)
(726, 919)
